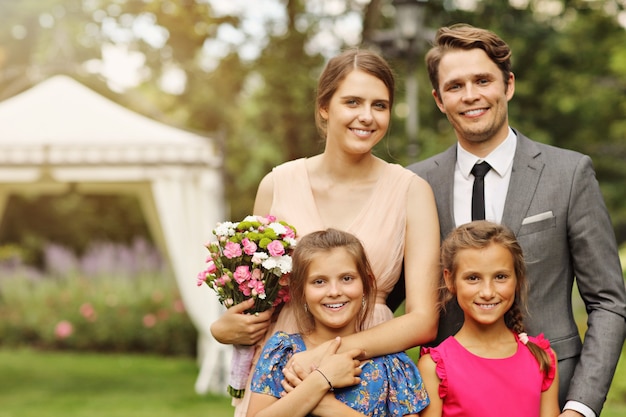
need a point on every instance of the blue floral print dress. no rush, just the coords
(390, 385)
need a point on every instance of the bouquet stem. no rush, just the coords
(240, 369)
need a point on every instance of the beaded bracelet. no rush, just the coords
(327, 380)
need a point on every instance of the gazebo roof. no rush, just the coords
(60, 121)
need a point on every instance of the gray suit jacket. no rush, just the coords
(557, 212)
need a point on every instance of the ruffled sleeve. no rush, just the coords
(440, 369)
(274, 357)
(391, 385)
(544, 344)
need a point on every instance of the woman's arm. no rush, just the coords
(234, 327)
(427, 368)
(421, 262)
(264, 196)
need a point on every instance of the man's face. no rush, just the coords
(474, 97)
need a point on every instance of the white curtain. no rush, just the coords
(189, 204)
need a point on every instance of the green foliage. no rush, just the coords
(72, 220)
(105, 314)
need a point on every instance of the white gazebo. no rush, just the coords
(60, 134)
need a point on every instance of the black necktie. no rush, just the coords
(478, 191)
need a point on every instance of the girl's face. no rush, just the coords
(485, 283)
(333, 293)
(358, 114)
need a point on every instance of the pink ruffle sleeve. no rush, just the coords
(544, 344)
(440, 369)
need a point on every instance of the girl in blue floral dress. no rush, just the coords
(333, 291)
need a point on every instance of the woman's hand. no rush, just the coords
(235, 327)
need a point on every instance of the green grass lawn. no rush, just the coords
(47, 384)
(55, 384)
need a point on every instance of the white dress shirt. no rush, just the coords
(496, 181)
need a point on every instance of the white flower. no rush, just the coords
(251, 219)
(284, 263)
(278, 228)
(270, 263)
(225, 229)
(291, 242)
(259, 257)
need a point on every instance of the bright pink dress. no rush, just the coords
(472, 386)
(380, 225)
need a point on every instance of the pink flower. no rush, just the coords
(289, 233)
(200, 278)
(88, 312)
(149, 320)
(63, 329)
(210, 267)
(179, 306)
(256, 274)
(245, 289)
(258, 287)
(232, 250)
(249, 247)
(275, 248)
(242, 274)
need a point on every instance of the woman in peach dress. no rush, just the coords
(390, 209)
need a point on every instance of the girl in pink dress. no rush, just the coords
(491, 367)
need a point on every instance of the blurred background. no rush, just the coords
(92, 271)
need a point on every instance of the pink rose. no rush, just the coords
(232, 250)
(249, 247)
(241, 274)
(275, 248)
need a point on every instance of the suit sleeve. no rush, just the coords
(601, 285)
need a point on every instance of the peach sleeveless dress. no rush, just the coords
(380, 225)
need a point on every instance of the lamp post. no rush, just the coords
(405, 41)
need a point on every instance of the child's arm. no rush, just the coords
(550, 397)
(427, 368)
(335, 371)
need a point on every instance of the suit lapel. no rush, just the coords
(442, 182)
(527, 168)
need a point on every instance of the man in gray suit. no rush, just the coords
(548, 196)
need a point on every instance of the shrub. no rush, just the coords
(113, 299)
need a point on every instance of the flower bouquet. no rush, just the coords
(250, 259)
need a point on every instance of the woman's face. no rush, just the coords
(358, 114)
